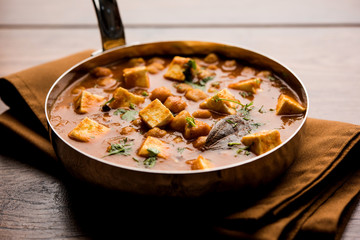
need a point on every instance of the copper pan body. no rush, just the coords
(244, 175)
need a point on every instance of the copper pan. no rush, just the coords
(249, 174)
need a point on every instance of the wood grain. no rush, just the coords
(319, 40)
(186, 12)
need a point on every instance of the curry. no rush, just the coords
(177, 112)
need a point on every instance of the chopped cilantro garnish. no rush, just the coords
(120, 111)
(203, 81)
(245, 111)
(122, 148)
(217, 99)
(191, 64)
(256, 125)
(230, 144)
(105, 107)
(246, 94)
(244, 149)
(127, 115)
(261, 110)
(132, 106)
(150, 161)
(190, 121)
(231, 122)
(271, 78)
(180, 150)
(130, 115)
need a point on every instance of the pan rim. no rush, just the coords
(176, 172)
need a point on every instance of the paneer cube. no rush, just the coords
(156, 114)
(85, 101)
(263, 141)
(179, 121)
(123, 98)
(136, 77)
(196, 130)
(176, 68)
(219, 102)
(288, 105)
(250, 85)
(87, 129)
(153, 143)
(200, 163)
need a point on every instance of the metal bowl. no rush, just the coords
(252, 173)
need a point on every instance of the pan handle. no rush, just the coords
(110, 24)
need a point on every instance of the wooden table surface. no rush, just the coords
(317, 39)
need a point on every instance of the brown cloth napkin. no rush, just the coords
(313, 199)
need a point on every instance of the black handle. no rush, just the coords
(110, 24)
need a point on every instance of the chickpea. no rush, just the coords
(199, 142)
(195, 95)
(135, 62)
(201, 113)
(127, 130)
(161, 93)
(101, 72)
(175, 104)
(156, 132)
(182, 87)
(211, 58)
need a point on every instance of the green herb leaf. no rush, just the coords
(151, 160)
(230, 144)
(132, 106)
(217, 99)
(191, 64)
(190, 121)
(203, 81)
(246, 94)
(261, 110)
(120, 111)
(271, 78)
(112, 99)
(256, 125)
(231, 122)
(153, 152)
(130, 115)
(245, 111)
(105, 107)
(180, 150)
(122, 148)
(244, 149)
